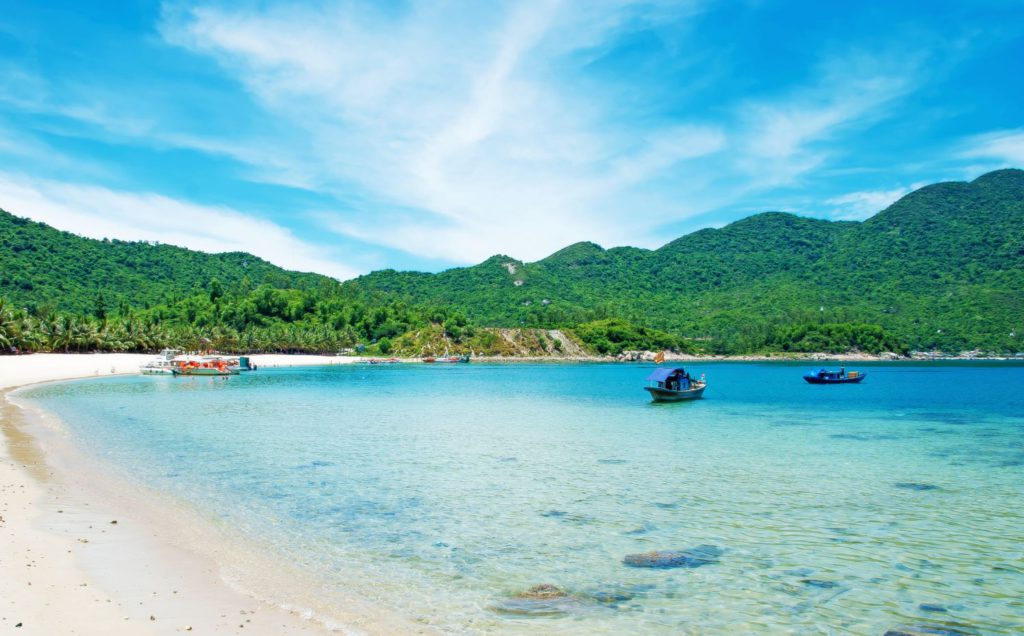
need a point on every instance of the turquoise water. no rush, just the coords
(442, 492)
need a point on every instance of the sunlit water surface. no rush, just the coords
(442, 492)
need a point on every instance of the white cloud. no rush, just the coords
(459, 131)
(1003, 146)
(456, 125)
(102, 213)
(469, 137)
(857, 206)
(785, 139)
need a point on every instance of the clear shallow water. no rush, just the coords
(442, 492)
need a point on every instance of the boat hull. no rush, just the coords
(205, 372)
(659, 394)
(156, 371)
(813, 379)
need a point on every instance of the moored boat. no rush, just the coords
(206, 367)
(454, 359)
(824, 376)
(674, 385)
(163, 364)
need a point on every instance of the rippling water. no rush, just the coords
(443, 492)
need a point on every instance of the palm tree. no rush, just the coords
(30, 335)
(8, 332)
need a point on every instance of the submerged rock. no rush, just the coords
(825, 585)
(565, 517)
(543, 591)
(615, 594)
(910, 485)
(692, 558)
(932, 607)
(539, 600)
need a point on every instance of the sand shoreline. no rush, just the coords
(69, 569)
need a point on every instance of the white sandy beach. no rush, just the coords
(68, 568)
(45, 367)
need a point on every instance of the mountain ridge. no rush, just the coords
(941, 268)
(898, 268)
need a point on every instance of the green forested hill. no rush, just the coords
(44, 267)
(943, 267)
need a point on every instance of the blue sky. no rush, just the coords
(343, 137)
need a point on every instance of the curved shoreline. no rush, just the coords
(87, 553)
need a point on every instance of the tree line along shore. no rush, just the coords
(207, 322)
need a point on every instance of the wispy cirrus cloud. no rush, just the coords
(426, 134)
(785, 138)
(482, 141)
(454, 129)
(1005, 147)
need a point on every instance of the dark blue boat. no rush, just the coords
(674, 385)
(823, 376)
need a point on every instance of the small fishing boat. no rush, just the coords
(161, 365)
(824, 376)
(674, 385)
(430, 359)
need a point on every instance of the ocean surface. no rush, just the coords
(446, 492)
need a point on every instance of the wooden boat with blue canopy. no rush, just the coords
(824, 376)
(674, 385)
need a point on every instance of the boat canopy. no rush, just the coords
(660, 375)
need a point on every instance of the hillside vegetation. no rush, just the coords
(43, 268)
(942, 268)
